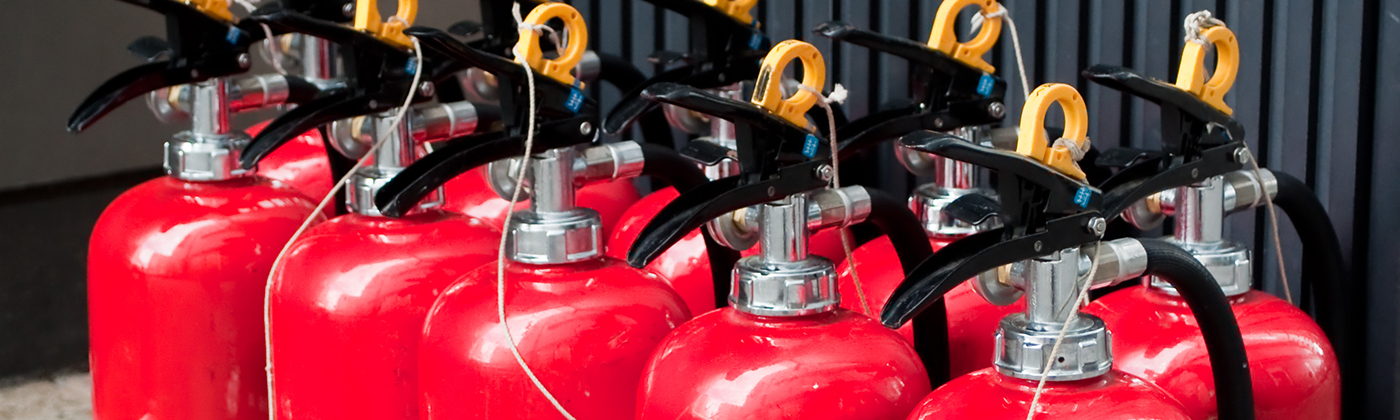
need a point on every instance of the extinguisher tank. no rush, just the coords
(177, 265)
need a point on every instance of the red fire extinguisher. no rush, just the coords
(717, 65)
(956, 92)
(784, 347)
(176, 265)
(354, 291)
(725, 46)
(1158, 339)
(560, 291)
(1051, 359)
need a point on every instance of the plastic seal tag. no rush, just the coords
(809, 147)
(1082, 196)
(233, 34)
(575, 100)
(412, 66)
(985, 84)
(755, 41)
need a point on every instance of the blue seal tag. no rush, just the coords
(412, 66)
(575, 100)
(233, 34)
(985, 84)
(1082, 196)
(755, 41)
(809, 147)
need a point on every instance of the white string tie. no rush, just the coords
(1002, 13)
(505, 231)
(838, 95)
(1075, 151)
(320, 207)
(1198, 22)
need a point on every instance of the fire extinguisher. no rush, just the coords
(354, 291)
(717, 61)
(176, 265)
(473, 193)
(560, 291)
(1051, 359)
(1202, 175)
(302, 163)
(783, 347)
(955, 91)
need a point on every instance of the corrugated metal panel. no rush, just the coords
(1318, 81)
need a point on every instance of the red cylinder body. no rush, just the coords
(685, 266)
(986, 394)
(1291, 364)
(972, 322)
(348, 304)
(728, 364)
(585, 329)
(301, 163)
(469, 194)
(176, 272)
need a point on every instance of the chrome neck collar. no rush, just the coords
(554, 230)
(1024, 340)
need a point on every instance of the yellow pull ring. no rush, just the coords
(1031, 142)
(943, 38)
(367, 20)
(737, 9)
(1190, 76)
(217, 9)
(768, 92)
(527, 49)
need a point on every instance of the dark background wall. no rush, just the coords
(1319, 86)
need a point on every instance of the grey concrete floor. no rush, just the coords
(66, 397)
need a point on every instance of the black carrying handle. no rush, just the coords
(1229, 365)
(629, 80)
(765, 141)
(1167, 95)
(424, 176)
(200, 47)
(698, 206)
(900, 47)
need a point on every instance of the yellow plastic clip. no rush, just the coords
(217, 9)
(1031, 142)
(1191, 75)
(528, 47)
(367, 19)
(943, 38)
(737, 9)
(768, 91)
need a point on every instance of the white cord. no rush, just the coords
(320, 207)
(1195, 24)
(505, 229)
(1273, 223)
(1015, 42)
(1198, 22)
(1079, 301)
(838, 95)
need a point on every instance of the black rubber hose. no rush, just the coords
(339, 166)
(665, 164)
(892, 216)
(1229, 365)
(1325, 274)
(620, 73)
